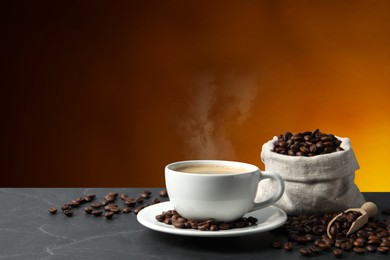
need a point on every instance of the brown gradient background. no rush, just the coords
(107, 93)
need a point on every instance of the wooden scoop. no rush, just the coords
(368, 210)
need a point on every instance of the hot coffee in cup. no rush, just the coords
(221, 190)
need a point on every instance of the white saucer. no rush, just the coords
(268, 218)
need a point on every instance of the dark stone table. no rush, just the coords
(28, 231)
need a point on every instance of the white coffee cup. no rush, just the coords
(221, 190)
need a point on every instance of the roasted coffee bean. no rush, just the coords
(130, 202)
(288, 246)
(74, 203)
(138, 209)
(163, 193)
(140, 200)
(145, 194)
(252, 220)
(89, 197)
(337, 252)
(315, 250)
(109, 198)
(113, 194)
(82, 200)
(109, 214)
(213, 227)
(386, 211)
(65, 207)
(359, 250)
(167, 221)
(124, 196)
(52, 210)
(358, 243)
(88, 210)
(385, 243)
(96, 205)
(126, 210)
(383, 249)
(276, 244)
(370, 248)
(306, 144)
(333, 230)
(97, 213)
(305, 251)
(68, 212)
(224, 226)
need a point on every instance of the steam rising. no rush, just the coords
(219, 102)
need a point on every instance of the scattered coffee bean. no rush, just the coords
(305, 251)
(96, 205)
(74, 203)
(138, 209)
(145, 194)
(276, 244)
(109, 198)
(163, 193)
(97, 213)
(370, 248)
(88, 210)
(113, 194)
(89, 197)
(359, 250)
(109, 214)
(68, 212)
(383, 249)
(386, 211)
(288, 246)
(124, 196)
(52, 210)
(337, 252)
(65, 207)
(307, 144)
(126, 210)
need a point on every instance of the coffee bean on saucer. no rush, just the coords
(52, 210)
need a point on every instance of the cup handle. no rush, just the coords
(277, 194)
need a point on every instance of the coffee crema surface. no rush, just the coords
(210, 169)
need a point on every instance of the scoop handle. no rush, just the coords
(370, 208)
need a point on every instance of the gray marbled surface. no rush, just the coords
(28, 231)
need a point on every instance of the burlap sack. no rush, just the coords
(323, 183)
